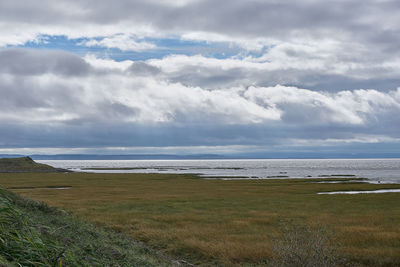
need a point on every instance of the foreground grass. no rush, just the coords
(33, 234)
(224, 222)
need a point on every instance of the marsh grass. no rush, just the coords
(224, 222)
(34, 234)
(20, 242)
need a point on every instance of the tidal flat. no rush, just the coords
(225, 222)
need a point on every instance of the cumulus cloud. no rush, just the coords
(29, 62)
(135, 102)
(281, 66)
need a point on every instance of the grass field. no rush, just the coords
(224, 222)
(34, 234)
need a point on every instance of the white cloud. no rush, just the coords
(121, 41)
(17, 36)
(343, 107)
(357, 138)
(110, 105)
(108, 64)
(174, 3)
(253, 44)
(107, 90)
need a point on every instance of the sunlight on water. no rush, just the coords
(361, 192)
(377, 170)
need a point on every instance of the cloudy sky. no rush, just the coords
(200, 76)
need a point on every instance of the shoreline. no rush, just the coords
(377, 171)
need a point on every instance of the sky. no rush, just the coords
(200, 76)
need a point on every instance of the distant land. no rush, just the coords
(269, 155)
(118, 157)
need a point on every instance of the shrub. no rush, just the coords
(305, 246)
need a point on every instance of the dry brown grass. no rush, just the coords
(231, 222)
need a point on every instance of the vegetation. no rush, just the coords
(226, 222)
(305, 246)
(25, 164)
(33, 234)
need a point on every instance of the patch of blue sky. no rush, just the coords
(163, 47)
(59, 42)
(254, 53)
(219, 50)
(260, 52)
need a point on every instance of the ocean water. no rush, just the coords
(376, 170)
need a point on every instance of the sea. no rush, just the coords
(375, 170)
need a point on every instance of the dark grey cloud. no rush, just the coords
(36, 62)
(30, 12)
(116, 110)
(114, 134)
(142, 68)
(212, 77)
(250, 18)
(376, 21)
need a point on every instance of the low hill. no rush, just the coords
(25, 164)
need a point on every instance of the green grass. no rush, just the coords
(224, 222)
(33, 234)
